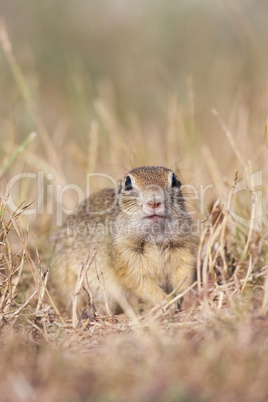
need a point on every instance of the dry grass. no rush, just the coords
(216, 347)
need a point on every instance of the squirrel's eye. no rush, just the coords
(175, 181)
(128, 184)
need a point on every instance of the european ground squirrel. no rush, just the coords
(139, 236)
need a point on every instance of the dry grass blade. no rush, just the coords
(250, 266)
(264, 306)
(93, 147)
(179, 296)
(214, 171)
(230, 139)
(266, 133)
(15, 154)
(78, 287)
(14, 314)
(27, 96)
(252, 217)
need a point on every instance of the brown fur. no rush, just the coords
(140, 256)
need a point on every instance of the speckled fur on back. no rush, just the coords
(140, 235)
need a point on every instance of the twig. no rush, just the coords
(250, 266)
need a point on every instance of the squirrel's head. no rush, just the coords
(151, 196)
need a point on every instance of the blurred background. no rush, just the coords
(109, 85)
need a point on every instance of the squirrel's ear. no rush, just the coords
(118, 187)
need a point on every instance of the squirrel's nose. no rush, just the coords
(154, 204)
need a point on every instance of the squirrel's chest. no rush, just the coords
(158, 264)
(150, 262)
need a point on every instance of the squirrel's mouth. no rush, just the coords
(154, 217)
